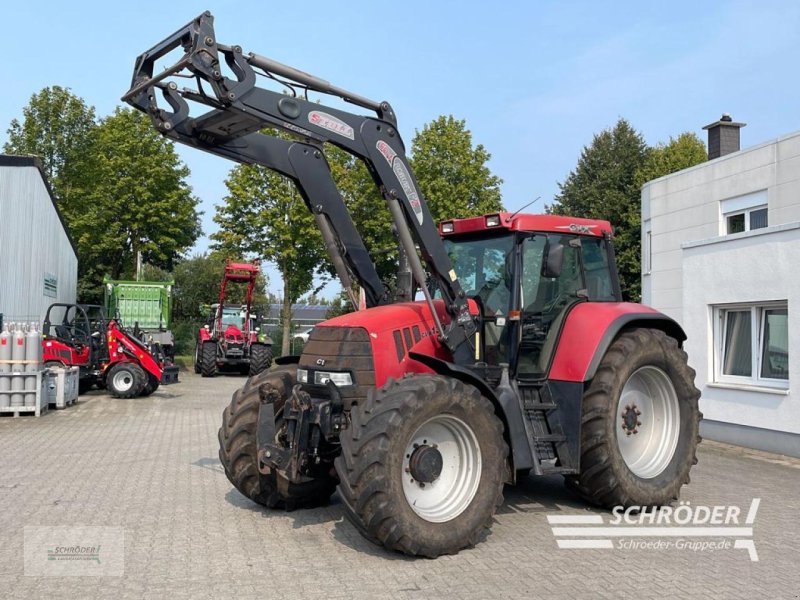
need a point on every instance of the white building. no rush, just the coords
(721, 254)
(38, 262)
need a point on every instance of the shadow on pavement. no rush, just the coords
(530, 495)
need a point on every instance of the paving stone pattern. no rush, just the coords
(150, 466)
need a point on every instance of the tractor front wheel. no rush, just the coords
(126, 380)
(238, 446)
(260, 358)
(151, 386)
(208, 359)
(640, 423)
(422, 465)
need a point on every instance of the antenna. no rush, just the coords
(514, 214)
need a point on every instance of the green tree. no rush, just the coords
(56, 126)
(452, 173)
(264, 216)
(679, 153)
(604, 185)
(132, 197)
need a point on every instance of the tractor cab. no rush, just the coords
(67, 337)
(525, 273)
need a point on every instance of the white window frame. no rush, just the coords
(746, 214)
(742, 205)
(757, 318)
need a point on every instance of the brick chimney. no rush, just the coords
(723, 136)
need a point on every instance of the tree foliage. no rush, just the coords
(679, 153)
(452, 172)
(607, 182)
(56, 127)
(119, 185)
(604, 185)
(132, 197)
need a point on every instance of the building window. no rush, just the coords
(755, 218)
(744, 213)
(752, 344)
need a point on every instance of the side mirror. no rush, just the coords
(553, 260)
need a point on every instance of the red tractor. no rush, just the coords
(80, 335)
(521, 358)
(230, 339)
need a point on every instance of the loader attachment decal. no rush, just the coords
(403, 176)
(331, 123)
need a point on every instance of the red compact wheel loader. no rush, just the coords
(80, 335)
(521, 358)
(229, 340)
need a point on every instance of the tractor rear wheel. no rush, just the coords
(260, 358)
(238, 450)
(126, 380)
(422, 465)
(197, 357)
(208, 359)
(640, 423)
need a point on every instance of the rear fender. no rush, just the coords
(506, 405)
(204, 335)
(590, 329)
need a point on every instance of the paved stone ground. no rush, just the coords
(150, 466)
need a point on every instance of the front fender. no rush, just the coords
(591, 327)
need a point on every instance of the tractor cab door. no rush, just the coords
(558, 271)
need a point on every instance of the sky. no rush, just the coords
(534, 80)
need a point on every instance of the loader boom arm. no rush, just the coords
(239, 110)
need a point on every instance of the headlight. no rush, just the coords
(302, 376)
(340, 379)
(493, 221)
(447, 227)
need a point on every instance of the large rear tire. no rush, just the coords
(422, 466)
(260, 358)
(208, 359)
(126, 380)
(197, 357)
(238, 446)
(640, 423)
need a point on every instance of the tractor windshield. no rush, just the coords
(235, 317)
(485, 268)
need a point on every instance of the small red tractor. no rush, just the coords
(80, 335)
(231, 340)
(522, 356)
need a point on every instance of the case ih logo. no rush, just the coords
(331, 123)
(576, 228)
(403, 177)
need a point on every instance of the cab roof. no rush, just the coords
(525, 222)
